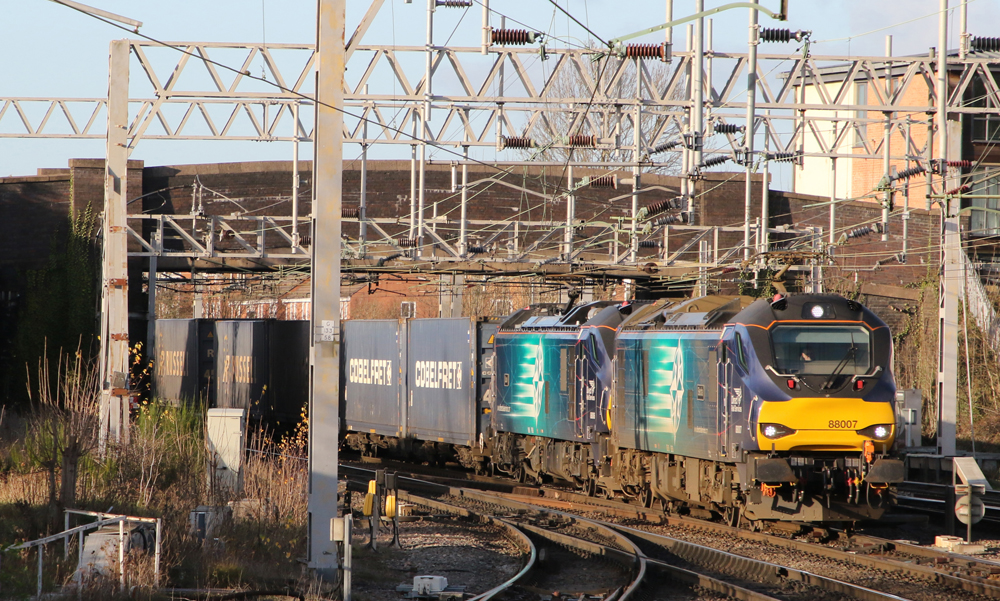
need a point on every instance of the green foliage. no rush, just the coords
(60, 302)
(757, 284)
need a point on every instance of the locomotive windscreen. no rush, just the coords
(819, 350)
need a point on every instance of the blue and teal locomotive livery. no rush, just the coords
(776, 409)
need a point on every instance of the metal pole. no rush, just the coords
(121, 555)
(636, 157)
(348, 562)
(751, 114)
(66, 537)
(295, 177)
(114, 285)
(38, 588)
(963, 18)
(948, 333)
(463, 241)
(699, 82)
(486, 27)
(156, 557)
(570, 213)
(413, 178)
(968, 369)
(687, 153)
(765, 191)
(363, 206)
(429, 59)
(906, 193)
(669, 31)
(422, 188)
(324, 389)
(887, 143)
(833, 194)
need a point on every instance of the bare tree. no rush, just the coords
(65, 420)
(613, 84)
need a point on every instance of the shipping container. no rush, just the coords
(254, 364)
(371, 386)
(176, 366)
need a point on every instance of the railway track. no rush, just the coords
(729, 562)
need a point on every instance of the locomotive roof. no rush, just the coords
(554, 317)
(687, 314)
(799, 307)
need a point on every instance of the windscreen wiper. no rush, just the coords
(840, 367)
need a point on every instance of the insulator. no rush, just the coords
(517, 142)
(477, 250)
(984, 44)
(776, 35)
(350, 212)
(406, 242)
(781, 156)
(865, 230)
(581, 140)
(512, 37)
(728, 128)
(908, 173)
(960, 190)
(454, 3)
(671, 219)
(604, 181)
(665, 146)
(960, 164)
(659, 51)
(729, 270)
(649, 244)
(713, 161)
(663, 205)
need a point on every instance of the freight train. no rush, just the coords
(776, 409)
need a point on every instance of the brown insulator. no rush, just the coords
(960, 164)
(512, 37)
(658, 51)
(581, 140)
(960, 190)
(350, 212)
(517, 142)
(604, 181)
(406, 242)
(663, 205)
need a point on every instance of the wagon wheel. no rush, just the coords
(646, 497)
(591, 487)
(731, 515)
(519, 474)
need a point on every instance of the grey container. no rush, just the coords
(443, 381)
(175, 367)
(370, 370)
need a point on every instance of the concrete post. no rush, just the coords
(324, 389)
(114, 279)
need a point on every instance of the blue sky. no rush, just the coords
(53, 51)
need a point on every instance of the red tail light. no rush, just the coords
(859, 385)
(791, 384)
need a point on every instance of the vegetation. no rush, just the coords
(159, 472)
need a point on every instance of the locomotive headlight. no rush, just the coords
(775, 431)
(877, 432)
(817, 311)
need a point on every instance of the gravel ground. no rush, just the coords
(467, 554)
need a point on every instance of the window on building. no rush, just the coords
(986, 183)
(986, 126)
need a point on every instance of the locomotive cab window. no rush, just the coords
(819, 350)
(739, 352)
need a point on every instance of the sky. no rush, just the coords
(52, 51)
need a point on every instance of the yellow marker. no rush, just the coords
(491, 339)
(390, 506)
(369, 504)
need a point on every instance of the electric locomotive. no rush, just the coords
(768, 410)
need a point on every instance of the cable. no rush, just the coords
(577, 21)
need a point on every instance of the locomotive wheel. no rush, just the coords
(646, 497)
(732, 515)
(591, 487)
